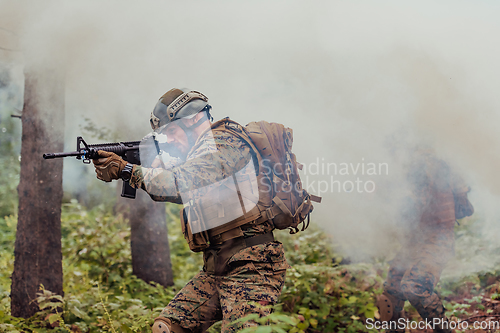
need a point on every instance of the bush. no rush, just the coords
(102, 295)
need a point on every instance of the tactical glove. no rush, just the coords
(109, 166)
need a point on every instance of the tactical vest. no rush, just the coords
(268, 190)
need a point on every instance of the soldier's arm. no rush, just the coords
(138, 180)
(203, 168)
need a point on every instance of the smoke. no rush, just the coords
(356, 82)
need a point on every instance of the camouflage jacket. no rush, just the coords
(215, 156)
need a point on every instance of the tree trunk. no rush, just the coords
(148, 239)
(38, 257)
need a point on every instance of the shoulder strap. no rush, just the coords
(228, 125)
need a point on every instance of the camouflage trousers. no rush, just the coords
(208, 298)
(416, 269)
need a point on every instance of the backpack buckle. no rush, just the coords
(216, 239)
(269, 214)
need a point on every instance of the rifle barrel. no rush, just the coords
(58, 155)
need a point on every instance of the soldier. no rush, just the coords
(213, 175)
(438, 199)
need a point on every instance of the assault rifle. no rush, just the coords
(129, 151)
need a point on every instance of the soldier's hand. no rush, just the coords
(109, 166)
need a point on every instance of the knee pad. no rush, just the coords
(389, 307)
(162, 325)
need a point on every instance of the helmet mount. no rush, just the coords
(176, 104)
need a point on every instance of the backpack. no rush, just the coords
(280, 198)
(286, 202)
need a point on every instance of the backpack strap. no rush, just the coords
(228, 125)
(315, 198)
(282, 206)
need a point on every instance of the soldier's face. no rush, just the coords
(178, 141)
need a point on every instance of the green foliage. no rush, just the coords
(102, 295)
(274, 322)
(10, 138)
(96, 242)
(100, 290)
(185, 263)
(456, 309)
(312, 246)
(331, 298)
(7, 238)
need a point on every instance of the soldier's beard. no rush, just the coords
(175, 151)
(179, 151)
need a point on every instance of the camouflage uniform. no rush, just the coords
(253, 273)
(429, 242)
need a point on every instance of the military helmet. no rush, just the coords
(176, 104)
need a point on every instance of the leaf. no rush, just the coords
(53, 318)
(51, 305)
(287, 319)
(313, 322)
(57, 297)
(264, 329)
(370, 314)
(7, 328)
(78, 313)
(278, 329)
(249, 317)
(303, 325)
(125, 328)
